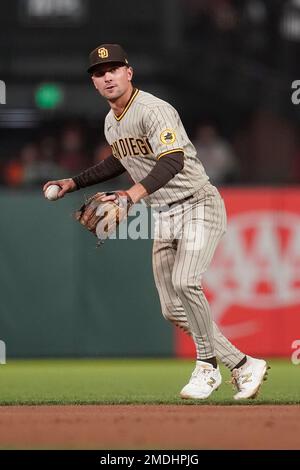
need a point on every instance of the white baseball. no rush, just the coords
(52, 192)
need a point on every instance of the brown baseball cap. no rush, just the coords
(107, 53)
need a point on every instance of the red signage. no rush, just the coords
(253, 283)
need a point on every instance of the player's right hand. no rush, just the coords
(67, 186)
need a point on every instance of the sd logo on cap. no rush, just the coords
(107, 53)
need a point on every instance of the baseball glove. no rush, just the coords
(102, 217)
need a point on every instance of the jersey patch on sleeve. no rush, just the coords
(167, 136)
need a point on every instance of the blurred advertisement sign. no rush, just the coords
(52, 11)
(253, 283)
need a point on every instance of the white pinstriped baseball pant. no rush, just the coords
(178, 266)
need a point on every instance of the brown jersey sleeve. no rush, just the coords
(103, 171)
(164, 170)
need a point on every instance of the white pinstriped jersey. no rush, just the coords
(148, 129)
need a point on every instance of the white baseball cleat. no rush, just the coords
(204, 380)
(248, 378)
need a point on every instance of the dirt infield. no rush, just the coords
(150, 427)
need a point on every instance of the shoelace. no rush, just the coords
(236, 380)
(198, 372)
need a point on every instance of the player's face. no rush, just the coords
(112, 80)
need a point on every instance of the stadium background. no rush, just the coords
(228, 67)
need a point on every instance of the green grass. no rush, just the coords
(158, 381)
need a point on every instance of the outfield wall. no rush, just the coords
(60, 296)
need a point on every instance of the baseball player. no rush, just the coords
(149, 141)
